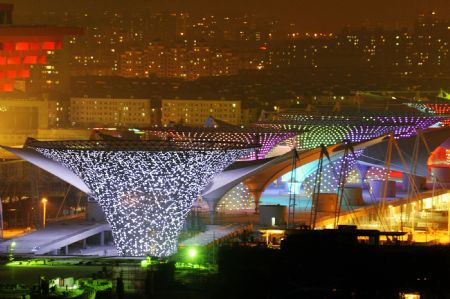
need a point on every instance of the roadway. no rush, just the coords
(54, 237)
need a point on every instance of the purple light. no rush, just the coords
(330, 129)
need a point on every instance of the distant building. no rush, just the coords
(110, 112)
(21, 47)
(20, 118)
(167, 62)
(58, 112)
(133, 63)
(23, 114)
(195, 112)
(224, 62)
(176, 63)
(179, 61)
(168, 26)
(156, 60)
(199, 61)
(249, 114)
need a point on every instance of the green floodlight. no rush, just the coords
(13, 244)
(147, 262)
(144, 264)
(192, 252)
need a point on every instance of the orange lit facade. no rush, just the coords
(21, 47)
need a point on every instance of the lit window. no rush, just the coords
(48, 46)
(22, 46)
(30, 60)
(13, 60)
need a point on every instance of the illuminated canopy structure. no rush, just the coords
(434, 138)
(258, 174)
(267, 137)
(330, 129)
(439, 106)
(145, 188)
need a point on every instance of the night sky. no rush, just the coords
(309, 15)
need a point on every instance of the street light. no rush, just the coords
(44, 202)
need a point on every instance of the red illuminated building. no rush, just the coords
(441, 109)
(23, 46)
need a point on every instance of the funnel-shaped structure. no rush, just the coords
(145, 188)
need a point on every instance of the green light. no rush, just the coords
(192, 252)
(144, 264)
(147, 262)
(13, 244)
(181, 265)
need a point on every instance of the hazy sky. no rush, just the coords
(326, 15)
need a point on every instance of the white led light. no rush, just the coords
(330, 175)
(145, 195)
(237, 198)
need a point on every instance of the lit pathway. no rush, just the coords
(53, 237)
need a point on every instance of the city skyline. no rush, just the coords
(322, 15)
(202, 149)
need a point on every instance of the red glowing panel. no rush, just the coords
(396, 174)
(23, 74)
(22, 46)
(13, 60)
(7, 87)
(2, 60)
(59, 45)
(11, 74)
(30, 59)
(48, 46)
(35, 46)
(2, 74)
(42, 59)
